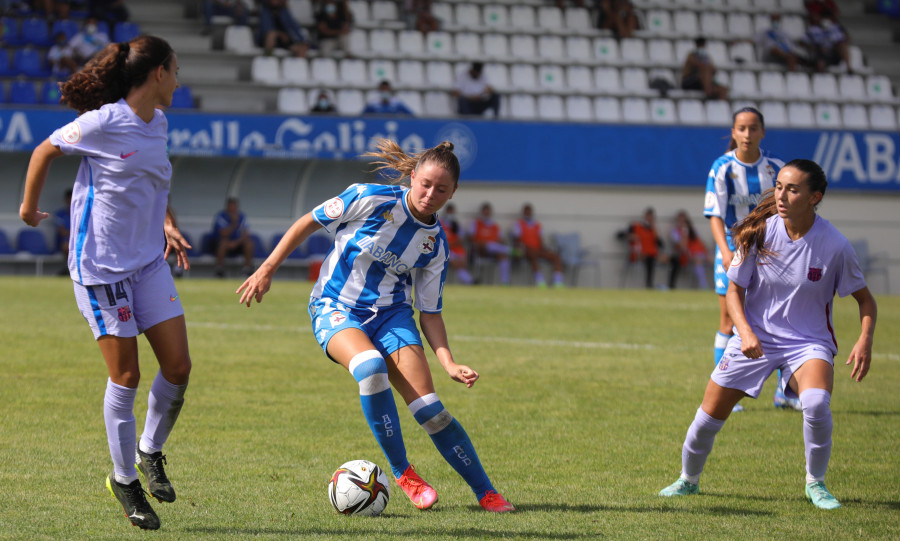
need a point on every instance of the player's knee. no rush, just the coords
(816, 404)
(370, 370)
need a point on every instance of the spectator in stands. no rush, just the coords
(829, 44)
(699, 73)
(111, 11)
(231, 237)
(528, 239)
(774, 45)
(486, 240)
(687, 249)
(619, 17)
(419, 16)
(459, 259)
(387, 103)
(62, 222)
(324, 103)
(59, 57)
(645, 244)
(88, 41)
(278, 28)
(473, 92)
(821, 7)
(236, 9)
(333, 23)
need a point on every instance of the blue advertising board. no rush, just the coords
(504, 151)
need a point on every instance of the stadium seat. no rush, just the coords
(383, 42)
(381, 70)
(550, 107)
(824, 86)
(713, 24)
(298, 252)
(438, 104)
(522, 17)
(22, 92)
(32, 241)
(882, 117)
(523, 77)
(691, 111)
(852, 87)
(239, 39)
(608, 80)
(11, 35)
(495, 46)
(743, 84)
(67, 26)
(578, 20)
(467, 15)
(266, 70)
(183, 98)
(6, 67)
(468, 45)
(5, 247)
(439, 74)
(125, 31)
(659, 22)
(878, 87)
(35, 31)
(636, 83)
(359, 42)
(580, 78)
(360, 11)
(551, 47)
(522, 46)
(413, 100)
(411, 73)
(29, 61)
(800, 115)
(772, 85)
(384, 10)
(324, 71)
(606, 50)
(855, 116)
(660, 52)
(350, 101)
(828, 115)
(684, 23)
(352, 71)
(50, 93)
(522, 107)
(495, 16)
(443, 11)
(498, 75)
(439, 44)
(662, 111)
(411, 43)
(303, 11)
(633, 51)
(295, 71)
(292, 101)
(549, 18)
(742, 53)
(635, 111)
(579, 109)
(774, 112)
(607, 109)
(550, 78)
(718, 113)
(794, 26)
(797, 85)
(740, 25)
(578, 49)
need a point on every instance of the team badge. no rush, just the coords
(71, 133)
(337, 318)
(334, 208)
(426, 246)
(723, 364)
(814, 274)
(737, 259)
(387, 216)
(124, 314)
(710, 200)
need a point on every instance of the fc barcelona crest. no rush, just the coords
(814, 274)
(124, 313)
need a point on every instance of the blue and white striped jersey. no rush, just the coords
(733, 187)
(380, 251)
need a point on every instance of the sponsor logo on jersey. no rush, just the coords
(124, 313)
(334, 208)
(814, 274)
(426, 245)
(124, 155)
(749, 200)
(173, 298)
(71, 133)
(389, 258)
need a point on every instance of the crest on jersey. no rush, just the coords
(426, 245)
(387, 216)
(71, 132)
(334, 208)
(723, 364)
(737, 259)
(337, 318)
(124, 314)
(814, 274)
(770, 170)
(710, 200)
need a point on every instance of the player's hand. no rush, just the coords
(727, 257)
(32, 217)
(463, 374)
(177, 244)
(750, 346)
(256, 285)
(861, 357)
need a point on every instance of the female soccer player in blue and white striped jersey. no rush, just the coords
(735, 183)
(789, 265)
(123, 285)
(387, 241)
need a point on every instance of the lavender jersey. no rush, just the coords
(789, 296)
(120, 194)
(733, 187)
(380, 251)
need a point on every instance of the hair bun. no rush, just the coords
(124, 47)
(446, 145)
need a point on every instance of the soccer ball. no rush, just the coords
(359, 487)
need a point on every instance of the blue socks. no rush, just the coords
(451, 441)
(377, 400)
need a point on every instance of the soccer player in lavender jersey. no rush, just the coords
(388, 240)
(123, 285)
(733, 187)
(789, 264)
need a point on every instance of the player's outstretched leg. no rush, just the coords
(151, 465)
(681, 487)
(134, 503)
(420, 493)
(820, 497)
(455, 446)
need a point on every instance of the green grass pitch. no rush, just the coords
(579, 415)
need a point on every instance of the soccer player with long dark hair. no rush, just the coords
(123, 285)
(387, 241)
(789, 264)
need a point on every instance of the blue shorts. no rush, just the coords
(736, 371)
(389, 329)
(130, 306)
(719, 276)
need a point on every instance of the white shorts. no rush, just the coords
(130, 306)
(736, 371)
